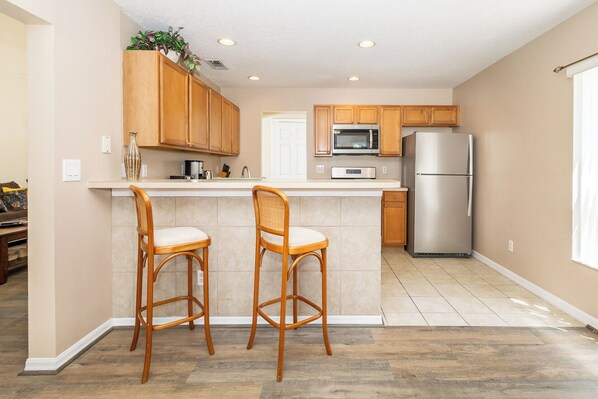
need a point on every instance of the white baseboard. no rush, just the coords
(246, 320)
(55, 364)
(554, 300)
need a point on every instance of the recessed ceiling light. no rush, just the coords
(227, 42)
(366, 44)
(253, 77)
(354, 78)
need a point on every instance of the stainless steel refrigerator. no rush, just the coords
(438, 171)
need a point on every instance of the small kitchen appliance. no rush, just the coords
(355, 140)
(343, 172)
(194, 169)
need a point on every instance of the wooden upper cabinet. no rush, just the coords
(174, 96)
(227, 128)
(236, 131)
(390, 131)
(199, 132)
(444, 115)
(433, 115)
(322, 130)
(215, 121)
(344, 114)
(416, 116)
(367, 114)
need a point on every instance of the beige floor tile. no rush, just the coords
(514, 290)
(496, 279)
(558, 320)
(484, 291)
(404, 268)
(444, 319)
(468, 278)
(453, 290)
(440, 278)
(522, 320)
(468, 305)
(503, 305)
(405, 319)
(429, 268)
(389, 278)
(419, 288)
(456, 268)
(385, 268)
(483, 319)
(393, 290)
(433, 305)
(398, 305)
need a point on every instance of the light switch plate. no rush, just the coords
(71, 170)
(106, 145)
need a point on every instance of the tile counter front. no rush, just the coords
(349, 215)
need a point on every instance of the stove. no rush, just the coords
(345, 172)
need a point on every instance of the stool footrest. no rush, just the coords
(158, 327)
(294, 325)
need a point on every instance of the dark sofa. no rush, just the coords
(11, 215)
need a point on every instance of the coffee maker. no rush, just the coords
(194, 169)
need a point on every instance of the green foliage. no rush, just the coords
(166, 41)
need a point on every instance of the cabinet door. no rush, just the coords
(344, 114)
(445, 116)
(236, 123)
(227, 111)
(215, 121)
(198, 114)
(416, 116)
(390, 131)
(367, 114)
(173, 104)
(322, 129)
(394, 218)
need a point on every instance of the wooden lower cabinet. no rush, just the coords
(394, 218)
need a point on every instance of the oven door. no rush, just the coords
(355, 139)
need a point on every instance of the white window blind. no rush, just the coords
(585, 168)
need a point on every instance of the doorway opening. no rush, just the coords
(284, 145)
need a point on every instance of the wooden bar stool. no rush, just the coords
(174, 242)
(273, 233)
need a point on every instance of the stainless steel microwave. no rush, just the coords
(355, 139)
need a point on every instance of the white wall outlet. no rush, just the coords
(143, 170)
(106, 145)
(71, 170)
(199, 277)
(511, 246)
(384, 169)
(320, 169)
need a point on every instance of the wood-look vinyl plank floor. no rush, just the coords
(367, 362)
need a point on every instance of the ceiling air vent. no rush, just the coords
(216, 64)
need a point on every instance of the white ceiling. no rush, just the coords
(313, 43)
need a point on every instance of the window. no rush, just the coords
(585, 167)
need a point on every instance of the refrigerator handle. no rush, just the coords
(470, 154)
(470, 195)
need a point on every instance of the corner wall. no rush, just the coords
(521, 115)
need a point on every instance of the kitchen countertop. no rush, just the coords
(242, 187)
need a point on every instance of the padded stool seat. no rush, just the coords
(298, 237)
(177, 236)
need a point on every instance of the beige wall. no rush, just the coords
(254, 102)
(521, 115)
(13, 112)
(74, 91)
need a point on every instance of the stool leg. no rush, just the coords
(150, 318)
(190, 290)
(138, 296)
(324, 307)
(294, 257)
(206, 302)
(282, 324)
(256, 290)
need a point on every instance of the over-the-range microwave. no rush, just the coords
(355, 139)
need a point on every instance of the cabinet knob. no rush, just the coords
(394, 197)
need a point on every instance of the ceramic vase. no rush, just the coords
(132, 158)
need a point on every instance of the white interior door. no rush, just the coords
(289, 154)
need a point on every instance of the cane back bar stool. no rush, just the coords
(274, 234)
(173, 242)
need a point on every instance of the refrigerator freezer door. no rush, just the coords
(442, 217)
(443, 153)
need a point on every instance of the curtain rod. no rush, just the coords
(560, 68)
